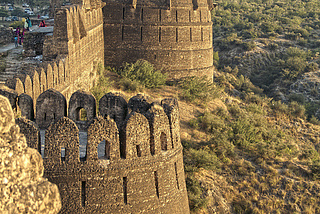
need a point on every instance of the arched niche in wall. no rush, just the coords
(62, 142)
(160, 129)
(82, 108)
(115, 106)
(103, 130)
(135, 137)
(51, 106)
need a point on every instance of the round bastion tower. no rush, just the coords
(174, 35)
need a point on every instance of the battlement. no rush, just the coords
(131, 160)
(71, 54)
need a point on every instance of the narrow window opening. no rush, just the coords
(200, 16)
(138, 150)
(190, 34)
(122, 148)
(63, 154)
(141, 33)
(159, 34)
(163, 139)
(141, 15)
(83, 139)
(124, 184)
(122, 33)
(156, 183)
(152, 147)
(176, 34)
(45, 116)
(202, 34)
(123, 11)
(155, 56)
(176, 16)
(83, 193)
(189, 16)
(54, 116)
(81, 114)
(42, 141)
(104, 150)
(160, 15)
(175, 168)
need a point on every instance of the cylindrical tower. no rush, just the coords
(175, 35)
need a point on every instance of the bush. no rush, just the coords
(249, 46)
(198, 88)
(103, 84)
(196, 200)
(143, 72)
(16, 24)
(297, 110)
(129, 85)
(315, 169)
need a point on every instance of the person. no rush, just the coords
(18, 34)
(42, 24)
(38, 16)
(27, 24)
(16, 41)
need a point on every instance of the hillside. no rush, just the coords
(273, 43)
(243, 152)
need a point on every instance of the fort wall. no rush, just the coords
(71, 54)
(173, 35)
(140, 168)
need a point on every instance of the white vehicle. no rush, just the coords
(44, 17)
(26, 10)
(31, 13)
(25, 5)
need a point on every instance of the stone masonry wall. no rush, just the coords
(141, 168)
(71, 54)
(173, 35)
(22, 186)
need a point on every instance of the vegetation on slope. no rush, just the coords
(243, 152)
(274, 43)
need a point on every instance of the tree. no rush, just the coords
(3, 13)
(18, 12)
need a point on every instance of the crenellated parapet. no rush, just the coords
(131, 160)
(71, 54)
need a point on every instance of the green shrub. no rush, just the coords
(103, 84)
(315, 169)
(216, 58)
(202, 158)
(312, 66)
(143, 72)
(198, 88)
(195, 196)
(130, 85)
(297, 97)
(297, 110)
(249, 46)
(16, 24)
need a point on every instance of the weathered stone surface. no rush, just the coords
(174, 35)
(25, 103)
(82, 100)
(22, 187)
(51, 106)
(115, 106)
(11, 95)
(139, 103)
